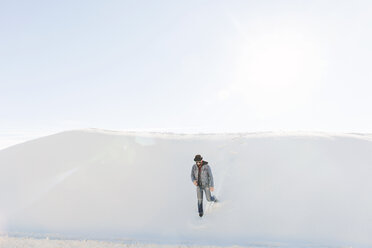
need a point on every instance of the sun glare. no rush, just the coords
(277, 73)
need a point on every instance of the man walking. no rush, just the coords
(201, 176)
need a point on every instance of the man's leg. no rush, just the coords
(199, 193)
(208, 195)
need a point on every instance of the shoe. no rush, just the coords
(201, 214)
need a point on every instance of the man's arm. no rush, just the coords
(211, 183)
(193, 179)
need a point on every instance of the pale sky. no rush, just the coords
(184, 66)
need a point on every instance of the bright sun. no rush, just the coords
(278, 72)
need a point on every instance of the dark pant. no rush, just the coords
(199, 193)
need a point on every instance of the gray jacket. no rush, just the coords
(206, 177)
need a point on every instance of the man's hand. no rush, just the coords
(196, 184)
(211, 188)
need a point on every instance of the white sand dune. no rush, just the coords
(291, 188)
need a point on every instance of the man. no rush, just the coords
(201, 176)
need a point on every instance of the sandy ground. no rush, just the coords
(17, 242)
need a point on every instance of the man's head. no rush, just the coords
(198, 159)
